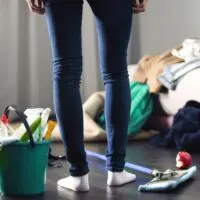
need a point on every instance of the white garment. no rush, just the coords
(7, 140)
(173, 73)
(189, 51)
(187, 89)
(4, 130)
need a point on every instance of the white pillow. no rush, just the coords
(187, 89)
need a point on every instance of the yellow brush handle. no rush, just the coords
(48, 132)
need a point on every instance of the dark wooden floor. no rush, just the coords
(139, 153)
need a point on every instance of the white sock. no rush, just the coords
(120, 178)
(78, 184)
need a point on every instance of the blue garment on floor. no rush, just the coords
(185, 131)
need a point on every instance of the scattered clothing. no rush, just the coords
(151, 67)
(141, 108)
(184, 135)
(93, 132)
(189, 51)
(168, 68)
(173, 73)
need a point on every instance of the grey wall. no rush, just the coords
(165, 24)
(25, 59)
(25, 67)
(90, 79)
(8, 53)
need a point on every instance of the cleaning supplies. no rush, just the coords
(44, 116)
(23, 164)
(37, 120)
(5, 128)
(162, 181)
(5, 135)
(7, 140)
(35, 111)
(49, 129)
(34, 122)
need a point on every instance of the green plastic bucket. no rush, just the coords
(23, 167)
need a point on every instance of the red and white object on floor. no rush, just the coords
(183, 160)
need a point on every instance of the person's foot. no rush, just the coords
(77, 184)
(120, 178)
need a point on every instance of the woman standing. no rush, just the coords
(113, 21)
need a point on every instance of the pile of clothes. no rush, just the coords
(166, 71)
(141, 109)
(152, 74)
(168, 68)
(184, 135)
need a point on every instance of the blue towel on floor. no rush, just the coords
(185, 131)
(170, 183)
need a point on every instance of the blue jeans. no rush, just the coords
(113, 21)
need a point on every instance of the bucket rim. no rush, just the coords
(27, 143)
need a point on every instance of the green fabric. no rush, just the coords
(141, 108)
(23, 168)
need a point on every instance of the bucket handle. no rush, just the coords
(22, 117)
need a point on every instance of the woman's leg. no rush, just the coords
(64, 20)
(114, 19)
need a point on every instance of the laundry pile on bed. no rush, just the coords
(176, 71)
(167, 69)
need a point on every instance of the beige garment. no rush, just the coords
(150, 67)
(92, 131)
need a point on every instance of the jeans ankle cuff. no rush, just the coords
(77, 174)
(115, 169)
